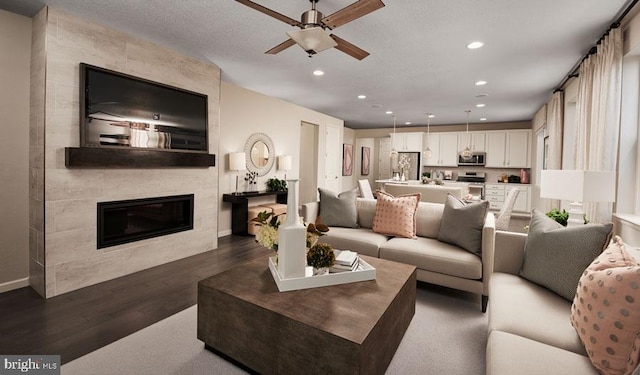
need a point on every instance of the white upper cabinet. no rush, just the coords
(444, 150)
(407, 142)
(476, 141)
(509, 149)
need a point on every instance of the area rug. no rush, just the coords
(447, 335)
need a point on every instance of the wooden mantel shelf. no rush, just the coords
(89, 157)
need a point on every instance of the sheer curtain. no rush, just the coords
(555, 122)
(598, 115)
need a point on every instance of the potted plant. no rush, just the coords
(321, 257)
(276, 184)
(560, 216)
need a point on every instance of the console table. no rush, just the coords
(240, 206)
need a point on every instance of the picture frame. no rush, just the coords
(347, 159)
(365, 161)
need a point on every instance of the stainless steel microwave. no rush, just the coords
(477, 158)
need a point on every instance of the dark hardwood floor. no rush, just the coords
(79, 322)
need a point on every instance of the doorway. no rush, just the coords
(308, 190)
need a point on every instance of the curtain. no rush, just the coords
(597, 119)
(555, 124)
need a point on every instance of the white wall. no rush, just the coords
(15, 44)
(244, 112)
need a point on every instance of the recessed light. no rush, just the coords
(362, 96)
(432, 116)
(483, 119)
(480, 105)
(318, 73)
(475, 45)
(389, 112)
(407, 123)
(482, 95)
(481, 83)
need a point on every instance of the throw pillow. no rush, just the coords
(606, 310)
(555, 256)
(338, 210)
(462, 224)
(396, 216)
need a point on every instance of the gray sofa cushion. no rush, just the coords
(338, 210)
(523, 308)
(555, 256)
(428, 218)
(432, 255)
(509, 354)
(361, 240)
(366, 212)
(462, 224)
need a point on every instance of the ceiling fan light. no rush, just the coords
(312, 39)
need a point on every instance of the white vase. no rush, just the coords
(292, 239)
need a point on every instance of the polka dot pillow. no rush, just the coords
(396, 216)
(606, 310)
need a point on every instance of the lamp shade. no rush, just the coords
(284, 162)
(237, 161)
(578, 185)
(313, 39)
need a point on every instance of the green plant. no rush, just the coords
(560, 216)
(321, 255)
(276, 184)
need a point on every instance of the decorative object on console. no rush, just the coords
(608, 293)
(292, 239)
(365, 161)
(259, 147)
(237, 163)
(347, 159)
(284, 164)
(251, 178)
(462, 224)
(396, 216)
(426, 154)
(578, 186)
(466, 153)
(321, 257)
(555, 256)
(276, 184)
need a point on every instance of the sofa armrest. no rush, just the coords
(488, 249)
(309, 211)
(509, 252)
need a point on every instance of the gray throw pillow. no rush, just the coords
(338, 210)
(462, 224)
(555, 256)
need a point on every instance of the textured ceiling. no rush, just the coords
(418, 60)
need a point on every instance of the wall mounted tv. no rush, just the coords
(122, 111)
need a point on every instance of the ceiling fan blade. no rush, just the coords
(271, 13)
(349, 48)
(351, 12)
(281, 47)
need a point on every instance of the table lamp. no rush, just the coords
(578, 186)
(284, 164)
(237, 163)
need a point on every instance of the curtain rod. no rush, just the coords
(574, 70)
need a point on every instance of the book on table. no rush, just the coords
(346, 261)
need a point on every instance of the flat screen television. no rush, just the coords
(121, 111)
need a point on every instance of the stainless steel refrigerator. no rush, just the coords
(413, 159)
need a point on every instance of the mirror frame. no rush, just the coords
(260, 137)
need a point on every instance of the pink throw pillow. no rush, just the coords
(396, 216)
(606, 310)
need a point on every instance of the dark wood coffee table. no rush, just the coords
(351, 328)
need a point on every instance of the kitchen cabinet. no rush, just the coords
(444, 150)
(496, 194)
(476, 141)
(407, 142)
(508, 149)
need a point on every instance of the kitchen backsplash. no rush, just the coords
(492, 174)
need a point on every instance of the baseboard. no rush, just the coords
(224, 233)
(15, 284)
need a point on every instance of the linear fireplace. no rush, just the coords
(137, 219)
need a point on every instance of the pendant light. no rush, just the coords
(427, 151)
(393, 154)
(466, 153)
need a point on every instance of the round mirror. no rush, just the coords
(260, 153)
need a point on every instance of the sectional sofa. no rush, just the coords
(437, 262)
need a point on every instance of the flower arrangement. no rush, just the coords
(404, 164)
(321, 255)
(267, 235)
(251, 178)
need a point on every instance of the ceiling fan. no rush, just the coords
(313, 37)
